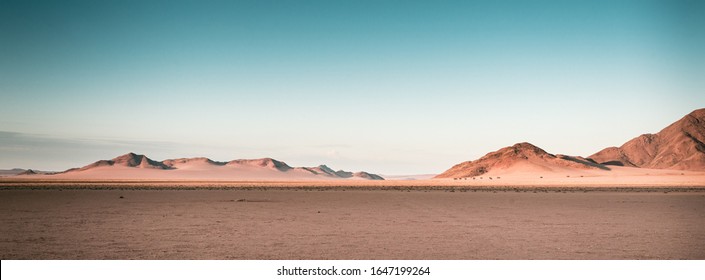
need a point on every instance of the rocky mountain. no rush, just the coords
(521, 157)
(679, 146)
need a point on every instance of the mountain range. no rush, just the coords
(136, 166)
(680, 146)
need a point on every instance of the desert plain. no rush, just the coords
(559, 218)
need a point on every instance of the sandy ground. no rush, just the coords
(352, 224)
(518, 175)
(616, 177)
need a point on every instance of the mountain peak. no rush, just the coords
(524, 149)
(28, 172)
(326, 169)
(127, 160)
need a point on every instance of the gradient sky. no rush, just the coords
(391, 87)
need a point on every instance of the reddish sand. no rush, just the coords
(517, 175)
(299, 224)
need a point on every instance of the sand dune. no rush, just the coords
(679, 146)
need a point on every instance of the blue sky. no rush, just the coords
(393, 87)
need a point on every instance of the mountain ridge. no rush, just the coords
(679, 146)
(133, 161)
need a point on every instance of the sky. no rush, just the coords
(391, 87)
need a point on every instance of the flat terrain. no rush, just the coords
(313, 223)
(615, 177)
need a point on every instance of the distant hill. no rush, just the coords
(127, 160)
(327, 171)
(20, 171)
(11, 172)
(679, 146)
(136, 166)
